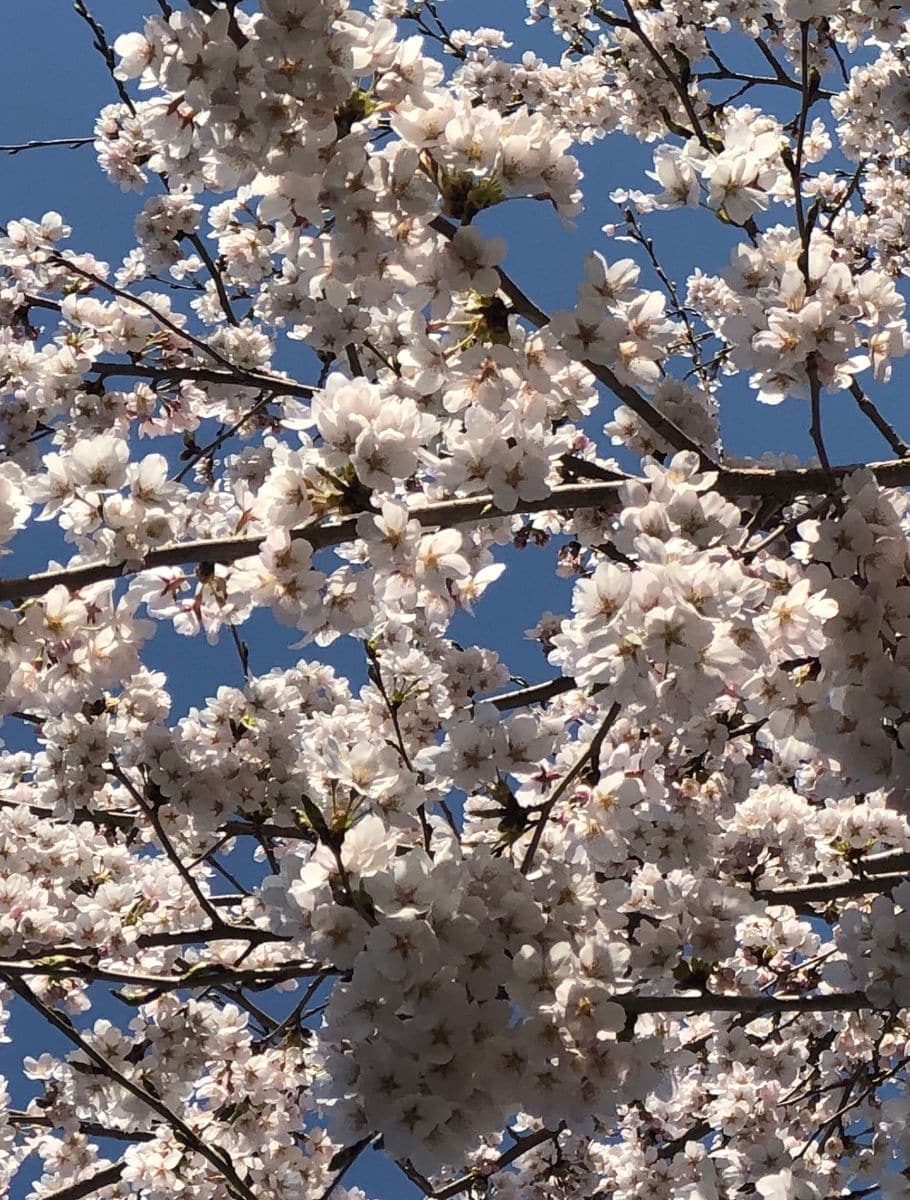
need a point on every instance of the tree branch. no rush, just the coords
(88, 1128)
(230, 377)
(591, 751)
(217, 279)
(538, 693)
(757, 1006)
(104, 1178)
(885, 428)
(741, 482)
(218, 1158)
(202, 976)
(462, 511)
(38, 143)
(525, 307)
(103, 46)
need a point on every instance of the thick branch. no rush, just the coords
(742, 482)
(538, 693)
(470, 510)
(822, 893)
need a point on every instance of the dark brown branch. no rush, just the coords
(884, 861)
(217, 279)
(672, 78)
(822, 893)
(734, 484)
(231, 377)
(165, 322)
(538, 693)
(104, 1178)
(523, 1144)
(104, 48)
(88, 1128)
(815, 426)
(126, 822)
(342, 1162)
(151, 812)
(888, 432)
(758, 1006)
(203, 976)
(216, 443)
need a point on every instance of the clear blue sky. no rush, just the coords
(52, 84)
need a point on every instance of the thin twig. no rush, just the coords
(39, 143)
(208, 451)
(165, 322)
(344, 1160)
(672, 78)
(88, 1128)
(217, 279)
(525, 307)
(525, 1143)
(392, 707)
(243, 652)
(218, 1158)
(590, 752)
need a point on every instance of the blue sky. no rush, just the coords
(52, 84)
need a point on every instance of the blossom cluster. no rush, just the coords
(639, 928)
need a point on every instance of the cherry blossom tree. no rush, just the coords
(637, 928)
